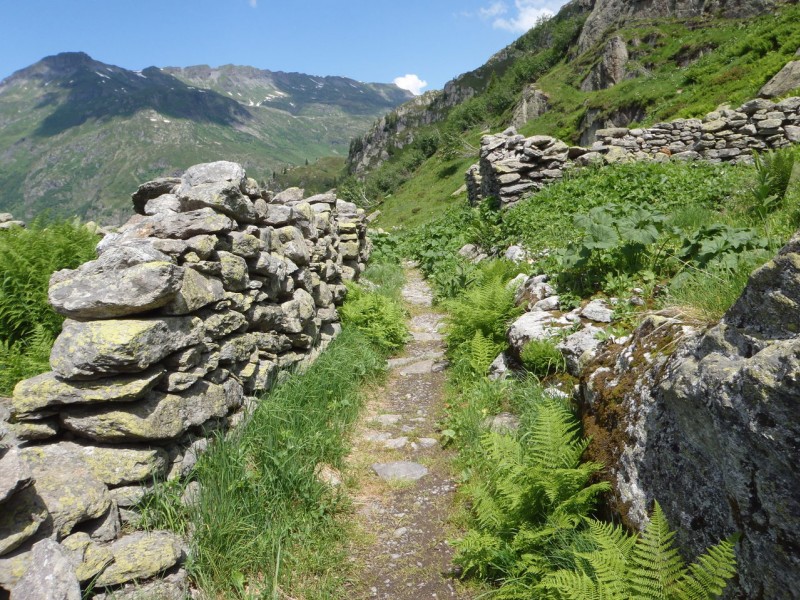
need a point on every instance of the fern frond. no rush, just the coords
(709, 574)
(656, 564)
(482, 352)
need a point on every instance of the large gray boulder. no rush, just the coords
(213, 172)
(712, 429)
(98, 348)
(143, 279)
(223, 197)
(14, 473)
(50, 575)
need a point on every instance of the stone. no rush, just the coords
(245, 245)
(400, 471)
(151, 190)
(50, 575)
(48, 390)
(67, 486)
(213, 172)
(598, 311)
(159, 417)
(141, 555)
(539, 325)
(533, 103)
(296, 313)
(503, 423)
(549, 303)
(143, 278)
(580, 348)
(86, 350)
(289, 196)
(88, 557)
(119, 465)
(181, 226)
(105, 528)
(792, 133)
(20, 519)
(34, 430)
(196, 291)
(162, 204)
(224, 197)
(14, 473)
(174, 586)
(784, 81)
(127, 496)
(289, 242)
(234, 272)
(499, 368)
(223, 324)
(516, 254)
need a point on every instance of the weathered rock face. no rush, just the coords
(609, 13)
(611, 68)
(534, 103)
(512, 167)
(710, 427)
(199, 300)
(784, 81)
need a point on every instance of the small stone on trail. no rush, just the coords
(395, 443)
(400, 471)
(387, 419)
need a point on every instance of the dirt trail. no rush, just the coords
(405, 487)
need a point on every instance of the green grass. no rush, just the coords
(28, 324)
(265, 525)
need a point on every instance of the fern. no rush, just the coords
(380, 318)
(531, 502)
(646, 567)
(483, 351)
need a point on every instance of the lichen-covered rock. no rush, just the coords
(20, 519)
(48, 391)
(119, 465)
(141, 556)
(225, 197)
(50, 575)
(196, 291)
(181, 226)
(151, 190)
(579, 348)
(159, 417)
(221, 170)
(14, 473)
(87, 350)
(70, 490)
(234, 272)
(784, 81)
(87, 556)
(289, 242)
(143, 277)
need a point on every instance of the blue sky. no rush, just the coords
(369, 40)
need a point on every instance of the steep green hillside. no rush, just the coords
(77, 135)
(674, 68)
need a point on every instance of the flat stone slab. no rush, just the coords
(427, 442)
(377, 436)
(424, 336)
(388, 419)
(395, 443)
(400, 471)
(395, 363)
(418, 368)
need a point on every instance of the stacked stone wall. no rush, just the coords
(200, 301)
(512, 166)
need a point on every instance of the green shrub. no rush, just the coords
(542, 358)
(773, 173)
(379, 318)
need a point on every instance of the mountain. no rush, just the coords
(596, 64)
(77, 135)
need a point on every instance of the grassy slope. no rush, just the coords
(725, 61)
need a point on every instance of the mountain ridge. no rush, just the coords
(68, 122)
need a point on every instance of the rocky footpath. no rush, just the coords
(703, 420)
(512, 167)
(196, 304)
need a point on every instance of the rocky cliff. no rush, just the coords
(200, 301)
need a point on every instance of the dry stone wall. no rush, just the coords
(199, 301)
(512, 166)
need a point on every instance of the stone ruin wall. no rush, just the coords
(512, 167)
(200, 301)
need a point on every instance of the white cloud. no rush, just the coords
(410, 82)
(528, 13)
(493, 10)
(254, 3)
